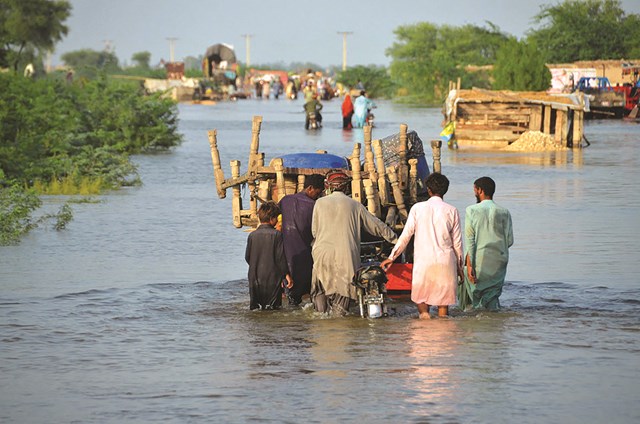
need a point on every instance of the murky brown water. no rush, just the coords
(139, 311)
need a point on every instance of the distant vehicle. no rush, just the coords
(631, 90)
(313, 121)
(604, 101)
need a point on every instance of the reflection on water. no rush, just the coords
(432, 347)
(560, 158)
(357, 136)
(329, 347)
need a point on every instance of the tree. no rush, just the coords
(54, 130)
(87, 62)
(585, 30)
(426, 56)
(631, 33)
(141, 59)
(520, 66)
(193, 63)
(376, 79)
(30, 27)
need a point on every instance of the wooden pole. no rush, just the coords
(300, 183)
(413, 181)
(561, 132)
(255, 139)
(369, 165)
(578, 123)
(264, 190)
(403, 168)
(371, 197)
(277, 165)
(392, 172)
(382, 178)
(254, 189)
(217, 167)
(367, 133)
(436, 145)
(236, 201)
(565, 127)
(356, 182)
(546, 126)
(254, 159)
(535, 120)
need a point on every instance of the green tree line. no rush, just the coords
(53, 129)
(62, 136)
(29, 29)
(58, 137)
(425, 57)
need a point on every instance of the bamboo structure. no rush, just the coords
(398, 196)
(217, 167)
(254, 160)
(300, 183)
(372, 205)
(435, 148)
(280, 183)
(387, 191)
(236, 202)
(368, 156)
(356, 183)
(413, 182)
(382, 177)
(498, 118)
(370, 169)
(403, 168)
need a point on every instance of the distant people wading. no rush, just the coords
(347, 112)
(361, 108)
(313, 106)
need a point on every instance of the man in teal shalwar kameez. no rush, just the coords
(488, 234)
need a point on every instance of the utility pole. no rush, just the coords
(108, 46)
(172, 41)
(344, 48)
(247, 43)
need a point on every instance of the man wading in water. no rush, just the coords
(297, 211)
(488, 234)
(435, 226)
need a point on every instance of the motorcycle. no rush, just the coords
(370, 281)
(313, 121)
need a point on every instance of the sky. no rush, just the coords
(280, 30)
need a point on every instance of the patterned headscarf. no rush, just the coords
(336, 179)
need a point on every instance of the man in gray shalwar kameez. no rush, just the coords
(336, 227)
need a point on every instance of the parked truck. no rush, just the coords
(603, 100)
(631, 90)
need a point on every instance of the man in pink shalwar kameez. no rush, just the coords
(437, 257)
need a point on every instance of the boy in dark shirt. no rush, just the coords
(267, 263)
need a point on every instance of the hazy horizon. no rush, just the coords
(280, 31)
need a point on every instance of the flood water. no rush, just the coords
(138, 312)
